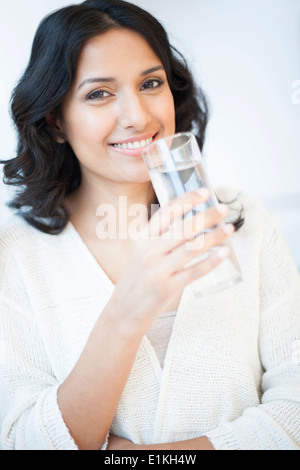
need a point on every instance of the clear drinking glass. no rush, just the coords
(175, 167)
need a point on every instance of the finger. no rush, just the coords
(186, 252)
(188, 228)
(198, 270)
(209, 240)
(178, 207)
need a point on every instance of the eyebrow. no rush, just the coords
(110, 79)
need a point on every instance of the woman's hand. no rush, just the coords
(199, 443)
(154, 277)
(157, 273)
(120, 443)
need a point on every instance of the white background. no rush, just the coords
(246, 56)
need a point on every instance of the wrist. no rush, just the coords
(199, 443)
(121, 319)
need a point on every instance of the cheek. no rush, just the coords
(88, 129)
(168, 114)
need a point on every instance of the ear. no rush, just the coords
(55, 127)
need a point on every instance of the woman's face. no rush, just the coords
(119, 102)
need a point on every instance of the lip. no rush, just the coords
(135, 138)
(133, 152)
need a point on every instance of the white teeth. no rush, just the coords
(134, 145)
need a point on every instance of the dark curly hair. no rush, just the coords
(44, 171)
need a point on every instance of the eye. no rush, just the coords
(152, 83)
(98, 95)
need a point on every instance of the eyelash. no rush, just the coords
(91, 96)
(151, 80)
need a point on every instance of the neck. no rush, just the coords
(112, 204)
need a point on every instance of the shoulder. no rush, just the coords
(16, 236)
(20, 240)
(237, 198)
(260, 236)
(27, 255)
(256, 216)
(15, 231)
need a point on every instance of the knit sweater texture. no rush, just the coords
(232, 366)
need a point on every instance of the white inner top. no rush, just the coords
(159, 334)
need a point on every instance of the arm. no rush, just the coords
(90, 395)
(37, 410)
(29, 416)
(275, 424)
(200, 443)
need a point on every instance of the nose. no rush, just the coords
(133, 112)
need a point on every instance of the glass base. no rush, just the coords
(225, 275)
(199, 291)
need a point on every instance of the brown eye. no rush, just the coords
(151, 83)
(98, 95)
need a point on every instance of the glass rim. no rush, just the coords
(190, 136)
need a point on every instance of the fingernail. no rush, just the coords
(223, 209)
(203, 192)
(223, 252)
(228, 229)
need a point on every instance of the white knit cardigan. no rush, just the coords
(232, 367)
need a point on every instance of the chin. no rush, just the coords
(139, 176)
(140, 180)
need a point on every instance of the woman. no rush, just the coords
(94, 358)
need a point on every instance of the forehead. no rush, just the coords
(115, 52)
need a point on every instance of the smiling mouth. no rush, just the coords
(133, 145)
